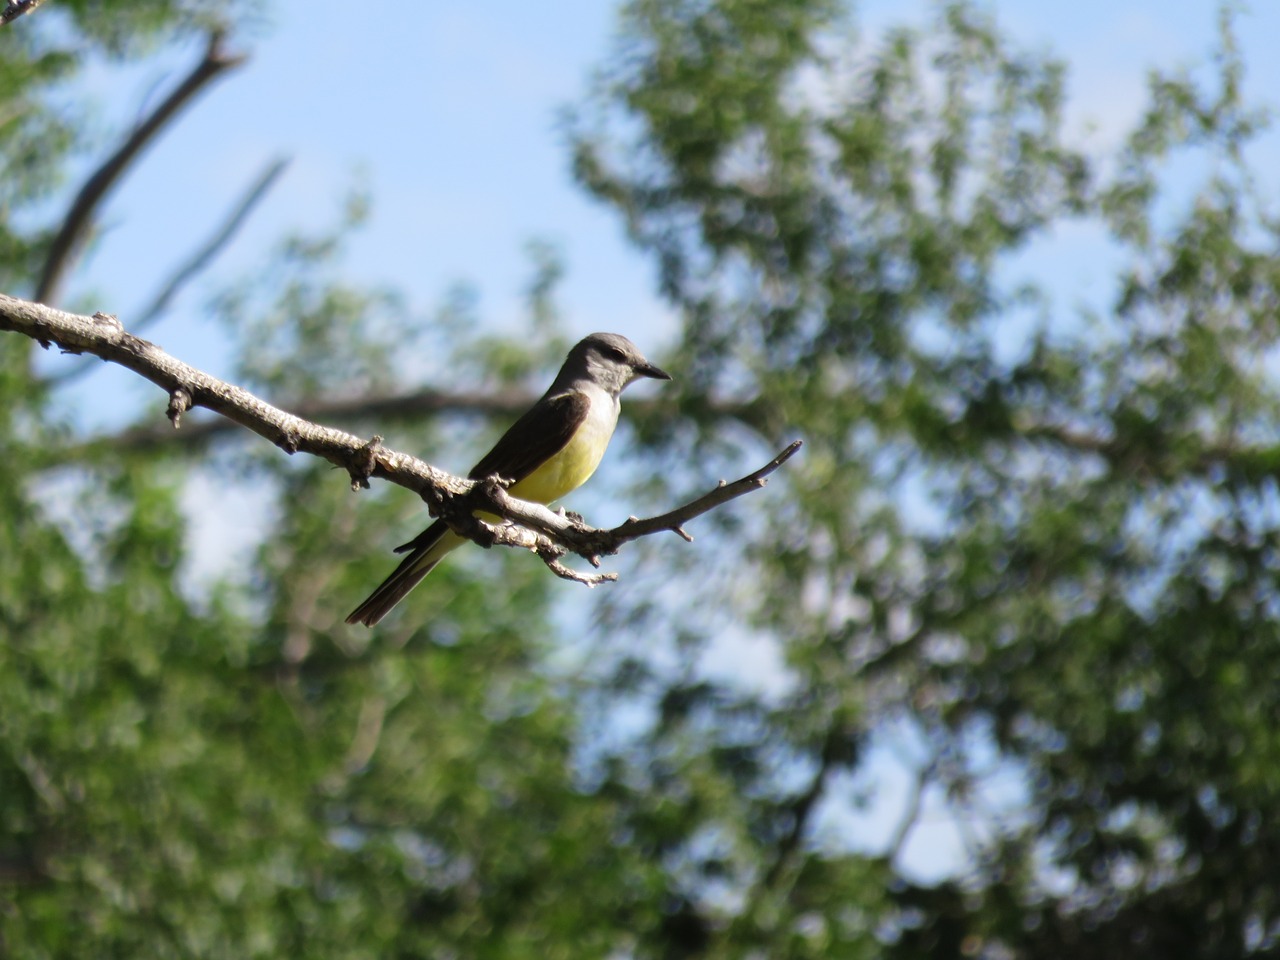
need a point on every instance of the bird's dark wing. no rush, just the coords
(540, 434)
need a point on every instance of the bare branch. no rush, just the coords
(911, 813)
(103, 336)
(570, 536)
(194, 264)
(214, 245)
(373, 713)
(777, 880)
(396, 407)
(675, 520)
(804, 803)
(16, 8)
(75, 226)
(533, 527)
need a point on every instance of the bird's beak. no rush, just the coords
(647, 369)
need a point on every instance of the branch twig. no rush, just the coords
(591, 544)
(197, 262)
(804, 803)
(778, 878)
(534, 527)
(16, 8)
(214, 245)
(911, 812)
(396, 407)
(76, 224)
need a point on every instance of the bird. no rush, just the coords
(548, 452)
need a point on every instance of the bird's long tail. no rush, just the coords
(428, 550)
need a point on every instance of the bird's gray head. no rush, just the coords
(610, 360)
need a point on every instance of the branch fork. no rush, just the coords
(549, 534)
(555, 535)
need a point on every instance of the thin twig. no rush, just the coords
(803, 804)
(391, 407)
(214, 245)
(76, 224)
(396, 407)
(590, 543)
(194, 264)
(551, 558)
(911, 814)
(533, 526)
(373, 713)
(16, 8)
(675, 520)
(776, 879)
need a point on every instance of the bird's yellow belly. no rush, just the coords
(568, 469)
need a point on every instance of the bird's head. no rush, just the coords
(612, 361)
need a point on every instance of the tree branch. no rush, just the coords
(394, 407)
(197, 262)
(803, 804)
(16, 8)
(911, 811)
(103, 336)
(408, 405)
(69, 240)
(777, 880)
(572, 536)
(536, 528)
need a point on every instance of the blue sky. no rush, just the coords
(450, 110)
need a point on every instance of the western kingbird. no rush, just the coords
(549, 451)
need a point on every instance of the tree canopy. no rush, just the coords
(1035, 544)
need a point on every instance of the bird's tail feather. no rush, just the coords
(405, 577)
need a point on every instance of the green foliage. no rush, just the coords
(132, 29)
(1059, 545)
(1041, 547)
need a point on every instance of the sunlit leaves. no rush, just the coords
(1062, 534)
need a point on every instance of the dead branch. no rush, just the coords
(393, 407)
(196, 263)
(398, 407)
(802, 805)
(532, 526)
(911, 811)
(16, 8)
(76, 224)
(102, 335)
(570, 536)
(199, 260)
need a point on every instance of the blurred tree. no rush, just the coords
(1045, 546)
(1041, 545)
(231, 771)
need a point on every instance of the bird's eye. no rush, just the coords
(614, 354)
